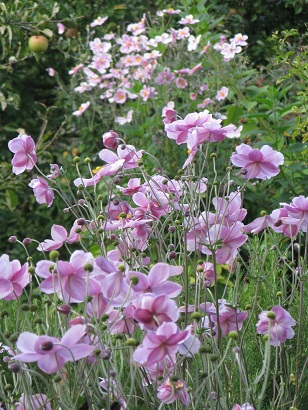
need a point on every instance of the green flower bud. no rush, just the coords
(76, 160)
(88, 267)
(131, 342)
(271, 315)
(134, 280)
(54, 255)
(57, 378)
(233, 335)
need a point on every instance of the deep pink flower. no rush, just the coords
(169, 391)
(152, 311)
(25, 156)
(42, 191)
(51, 353)
(279, 328)
(13, 278)
(255, 163)
(156, 346)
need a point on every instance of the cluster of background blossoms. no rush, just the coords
(131, 66)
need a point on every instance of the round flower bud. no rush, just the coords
(14, 367)
(64, 309)
(53, 255)
(214, 357)
(263, 213)
(233, 335)
(140, 162)
(213, 155)
(131, 342)
(271, 315)
(81, 221)
(26, 241)
(25, 307)
(87, 160)
(14, 337)
(33, 308)
(172, 255)
(31, 270)
(76, 160)
(196, 316)
(88, 267)
(12, 239)
(8, 387)
(105, 354)
(279, 294)
(57, 378)
(134, 280)
(121, 268)
(38, 321)
(171, 229)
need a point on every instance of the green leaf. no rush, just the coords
(47, 32)
(11, 199)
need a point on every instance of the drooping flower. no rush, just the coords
(255, 163)
(42, 191)
(25, 156)
(169, 391)
(13, 278)
(277, 323)
(51, 353)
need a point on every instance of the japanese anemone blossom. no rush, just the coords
(278, 323)
(50, 353)
(255, 163)
(13, 278)
(25, 156)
